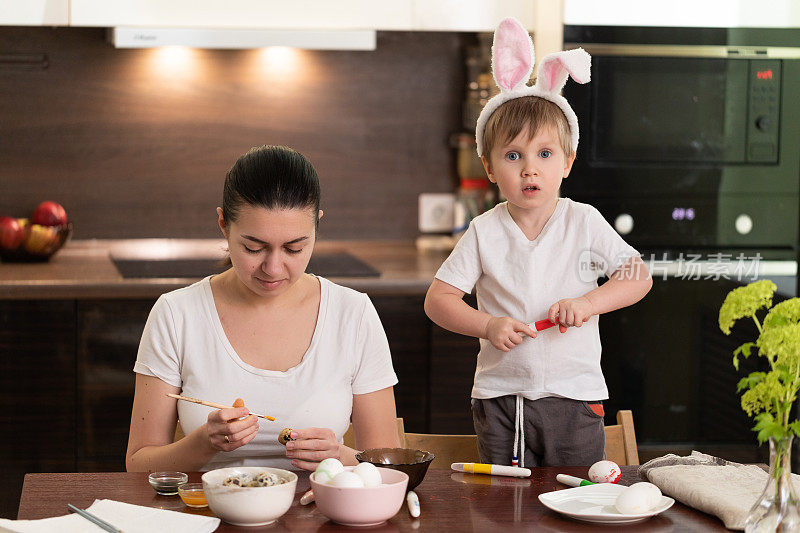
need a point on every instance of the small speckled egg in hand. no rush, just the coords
(637, 499)
(604, 472)
(369, 474)
(347, 480)
(330, 466)
(285, 435)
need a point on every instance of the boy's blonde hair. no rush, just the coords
(530, 112)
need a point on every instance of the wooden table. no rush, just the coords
(450, 502)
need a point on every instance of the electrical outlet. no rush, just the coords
(436, 212)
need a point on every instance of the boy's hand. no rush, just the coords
(571, 311)
(504, 332)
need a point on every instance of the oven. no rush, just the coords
(690, 147)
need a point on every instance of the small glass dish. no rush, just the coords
(167, 483)
(193, 494)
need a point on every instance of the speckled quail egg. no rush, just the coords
(285, 435)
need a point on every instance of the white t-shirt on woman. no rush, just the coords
(184, 345)
(521, 278)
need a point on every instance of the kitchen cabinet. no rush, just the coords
(244, 14)
(37, 393)
(108, 333)
(683, 13)
(34, 12)
(453, 359)
(471, 15)
(403, 15)
(407, 329)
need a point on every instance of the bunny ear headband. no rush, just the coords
(512, 63)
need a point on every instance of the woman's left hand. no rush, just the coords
(310, 446)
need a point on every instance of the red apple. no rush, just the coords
(49, 214)
(11, 233)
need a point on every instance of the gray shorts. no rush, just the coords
(558, 431)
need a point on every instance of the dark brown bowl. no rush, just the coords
(415, 463)
(38, 244)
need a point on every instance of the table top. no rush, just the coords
(450, 501)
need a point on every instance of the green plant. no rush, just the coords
(769, 396)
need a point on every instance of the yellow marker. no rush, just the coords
(495, 470)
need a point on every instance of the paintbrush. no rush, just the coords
(212, 404)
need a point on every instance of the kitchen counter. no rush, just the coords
(83, 269)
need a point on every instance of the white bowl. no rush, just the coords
(248, 506)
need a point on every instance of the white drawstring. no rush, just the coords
(519, 433)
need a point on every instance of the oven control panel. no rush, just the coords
(763, 111)
(703, 221)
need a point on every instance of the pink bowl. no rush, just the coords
(365, 506)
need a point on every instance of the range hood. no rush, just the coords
(138, 37)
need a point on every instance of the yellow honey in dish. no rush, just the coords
(193, 497)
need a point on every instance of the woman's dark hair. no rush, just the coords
(270, 177)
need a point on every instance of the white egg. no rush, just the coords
(321, 476)
(604, 472)
(634, 500)
(331, 466)
(369, 473)
(347, 480)
(653, 492)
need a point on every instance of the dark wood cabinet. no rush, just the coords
(37, 393)
(407, 329)
(108, 333)
(453, 359)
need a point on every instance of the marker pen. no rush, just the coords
(572, 481)
(496, 470)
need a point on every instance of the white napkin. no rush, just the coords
(721, 488)
(125, 516)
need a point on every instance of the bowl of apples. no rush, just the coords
(36, 238)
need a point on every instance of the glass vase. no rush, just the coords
(778, 508)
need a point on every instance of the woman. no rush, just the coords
(292, 345)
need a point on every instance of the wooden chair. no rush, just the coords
(621, 440)
(178, 432)
(448, 449)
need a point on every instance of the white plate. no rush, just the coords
(595, 503)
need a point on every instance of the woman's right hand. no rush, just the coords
(504, 332)
(226, 432)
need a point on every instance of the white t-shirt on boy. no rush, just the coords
(514, 276)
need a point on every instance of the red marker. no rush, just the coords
(544, 324)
